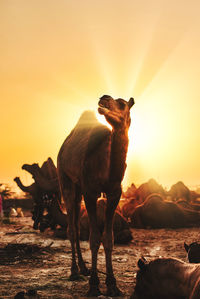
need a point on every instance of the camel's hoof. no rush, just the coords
(93, 292)
(113, 291)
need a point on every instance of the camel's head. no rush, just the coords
(116, 112)
(31, 168)
(193, 251)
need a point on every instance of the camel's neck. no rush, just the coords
(22, 187)
(119, 149)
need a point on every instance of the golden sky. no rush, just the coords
(58, 57)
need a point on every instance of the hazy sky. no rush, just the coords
(58, 57)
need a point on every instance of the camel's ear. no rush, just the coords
(142, 263)
(186, 247)
(131, 102)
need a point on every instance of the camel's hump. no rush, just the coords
(82, 142)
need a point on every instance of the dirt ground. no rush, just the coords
(47, 268)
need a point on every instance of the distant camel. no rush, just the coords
(137, 196)
(147, 189)
(155, 212)
(90, 161)
(46, 182)
(179, 191)
(130, 192)
(46, 176)
(167, 278)
(55, 217)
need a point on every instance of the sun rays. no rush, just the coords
(62, 64)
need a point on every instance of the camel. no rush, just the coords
(193, 252)
(156, 212)
(148, 188)
(36, 192)
(55, 216)
(129, 207)
(179, 191)
(130, 192)
(32, 189)
(139, 195)
(167, 278)
(188, 205)
(90, 161)
(121, 230)
(46, 176)
(46, 183)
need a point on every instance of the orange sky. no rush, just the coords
(59, 57)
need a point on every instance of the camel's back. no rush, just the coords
(84, 141)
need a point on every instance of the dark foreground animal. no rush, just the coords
(193, 252)
(92, 160)
(167, 278)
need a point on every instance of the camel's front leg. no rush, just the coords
(112, 202)
(95, 241)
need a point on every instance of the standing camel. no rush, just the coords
(90, 161)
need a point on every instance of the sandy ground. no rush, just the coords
(48, 270)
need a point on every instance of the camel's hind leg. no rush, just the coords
(69, 196)
(95, 241)
(81, 263)
(112, 202)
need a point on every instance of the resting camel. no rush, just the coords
(45, 177)
(193, 252)
(155, 212)
(180, 191)
(90, 161)
(46, 183)
(188, 205)
(55, 217)
(167, 278)
(148, 188)
(130, 192)
(139, 195)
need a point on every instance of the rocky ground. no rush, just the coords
(37, 263)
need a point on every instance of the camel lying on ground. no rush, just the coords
(90, 161)
(167, 278)
(46, 184)
(155, 212)
(181, 191)
(148, 188)
(54, 214)
(57, 221)
(193, 252)
(139, 195)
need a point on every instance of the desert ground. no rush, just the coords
(43, 262)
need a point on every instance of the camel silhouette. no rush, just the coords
(90, 161)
